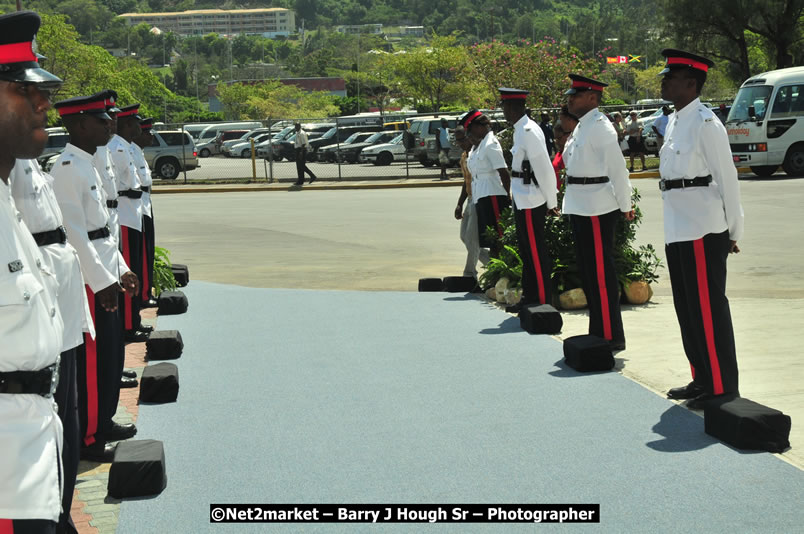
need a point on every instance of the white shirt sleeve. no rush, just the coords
(717, 153)
(613, 163)
(541, 166)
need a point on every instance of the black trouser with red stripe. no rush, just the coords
(99, 369)
(698, 277)
(27, 526)
(66, 398)
(488, 214)
(537, 266)
(148, 244)
(594, 243)
(130, 305)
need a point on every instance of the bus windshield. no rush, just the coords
(757, 96)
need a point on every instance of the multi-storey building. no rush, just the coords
(269, 22)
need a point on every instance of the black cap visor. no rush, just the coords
(30, 72)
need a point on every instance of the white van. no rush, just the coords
(209, 133)
(195, 129)
(766, 123)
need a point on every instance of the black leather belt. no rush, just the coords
(584, 180)
(100, 233)
(145, 188)
(130, 193)
(42, 382)
(59, 235)
(681, 183)
(111, 203)
(520, 174)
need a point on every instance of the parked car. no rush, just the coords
(209, 148)
(243, 148)
(386, 153)
(170, 153)
(335, 153)
(351, 152)
(272, 146)
(57, 139)
(337, 135)
(227, 145)
(422, 136)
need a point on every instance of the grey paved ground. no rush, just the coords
(387, 239)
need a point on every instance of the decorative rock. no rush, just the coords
(491, 293)
(574, 299)
(512, 296)
(501, 285)
(638, 292)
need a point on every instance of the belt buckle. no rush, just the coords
(54, 378)
(662, 185)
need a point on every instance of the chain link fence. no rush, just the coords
(356, 148)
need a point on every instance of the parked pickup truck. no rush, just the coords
(168, 156)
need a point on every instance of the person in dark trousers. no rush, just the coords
(31, 328)
(301, 145)
(703, 220)
(78, 189)
(598, 194)
(534, 195)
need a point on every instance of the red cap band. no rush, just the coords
(78, 108)
(109, 102)
(587, 85)
(688, 63)
(16, 53)
(146, 126)
(521, 96)
(128, 112)
(470, 118)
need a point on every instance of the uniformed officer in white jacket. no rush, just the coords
(703, 220)
(82, 200)
(31, 328)
(33, 195)
(130, 210)
(491, 182)
(598, 194)
(103, 163)
(148, 237)
(534, 196)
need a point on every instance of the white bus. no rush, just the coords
(766, 123)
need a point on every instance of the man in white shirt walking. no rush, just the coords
(703, 220)
(598, 193)
(302, 145)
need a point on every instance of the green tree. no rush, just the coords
(273, 99)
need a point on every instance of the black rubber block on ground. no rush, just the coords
(746, 424)
(540, 319)
(164, 345)
(588, 353)
(431, 284)
(460, 284)
(159, 383)
(138, 469)
(181, 273)
(172, 303)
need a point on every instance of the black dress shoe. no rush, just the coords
(617, 346)
(313, 179)
(145, 328)
(129, 373)
(99, 451)
(298, 183)
(149, 303)
(690, 391)
(127, 382)
(118, 432)
(135, 336)
(705, 399)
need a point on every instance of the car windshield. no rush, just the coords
(397, 140)
(756, 96)
(351, 138)
(330, 133)
(376, 137)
